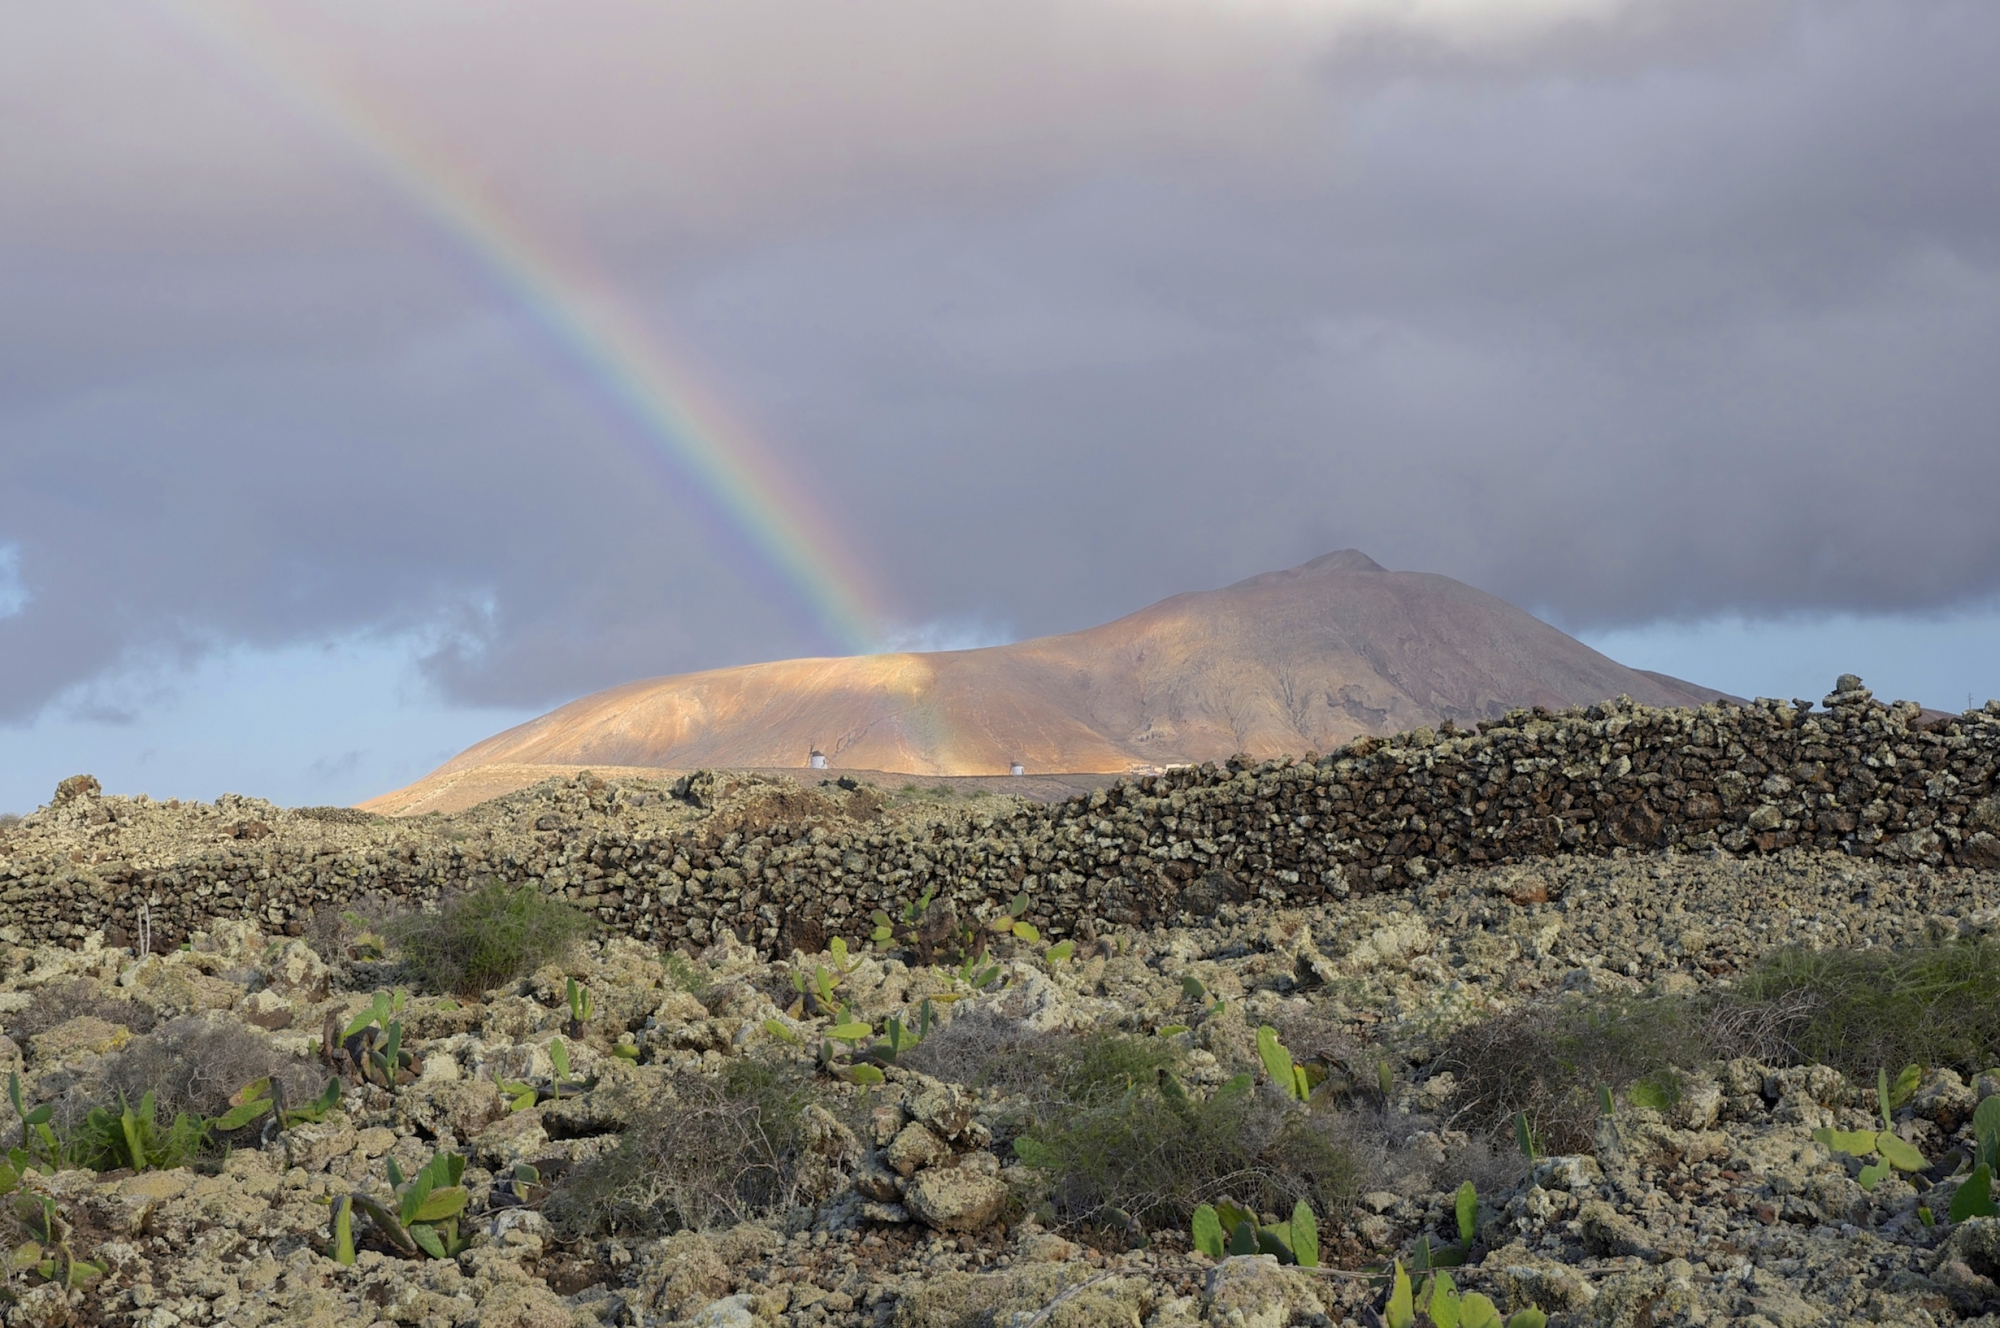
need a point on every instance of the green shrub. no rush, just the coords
(714, 1152)
(1118, 1136)
(985, 1049)
(1102, 1067)
(1856, 1010)
(1860, 1009)
(485, 938)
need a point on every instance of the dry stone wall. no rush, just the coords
(1855, 777)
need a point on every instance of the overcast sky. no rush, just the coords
(1674, 321)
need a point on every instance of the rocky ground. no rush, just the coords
(908, 1207)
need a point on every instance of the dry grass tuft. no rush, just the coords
(196, 1062)
(715, 1152)
(61, 1002)
(1550, 1058)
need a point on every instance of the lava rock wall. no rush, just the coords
(1855, 777)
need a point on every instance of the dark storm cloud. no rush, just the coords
(1713, 336)
(1621, 311)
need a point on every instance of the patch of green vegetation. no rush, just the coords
(1859, 1009)
(714, 1152)
(1102, 1067)
(137, 1136)
(1223, 1230)
(1557, 1064)
(350, 932)
(1890, 1150)
(485, 938)
(984, 1050)
(689, 976)
(420, 1219)
(374, 1043)
(1121, 1139)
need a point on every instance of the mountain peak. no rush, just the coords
(1341, 560)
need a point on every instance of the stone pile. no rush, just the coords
(785, 868)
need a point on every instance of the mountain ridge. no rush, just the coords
(1303, 658)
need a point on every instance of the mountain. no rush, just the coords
(1287, 662)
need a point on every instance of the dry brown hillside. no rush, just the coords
(1287, 662)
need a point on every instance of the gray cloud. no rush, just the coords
(330, 768)
(1623, 311)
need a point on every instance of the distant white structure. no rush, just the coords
(817, 760)
(1017, 769)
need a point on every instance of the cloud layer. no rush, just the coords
(1625, 311)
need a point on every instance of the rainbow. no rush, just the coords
(655, 387)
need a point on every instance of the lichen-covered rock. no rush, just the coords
(690, 1273)
(916, 1145)
(956, 1199)
(1651, 1298)
(1253, 1291)
(177, 985)
(946, 1109)
(85, 1035)
(1066, 1295)
(1945, 1099)
(515, 1138)
(315, 1145)
(291, 969)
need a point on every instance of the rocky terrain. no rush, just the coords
(1300, 660)
(905, 1204)
(867, 1055)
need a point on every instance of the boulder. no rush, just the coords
(1253, 1291)
(956, 1199)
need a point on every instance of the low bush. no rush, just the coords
(1118, 1137)
(59, 1003)
(714, 1152)
(353, 930)
(1549, 1059)
(485, 938)
(1859, 1010)
(986, 1049)
(1137, 1156)
(1856, 1010)
(972, 1046)
(194, 1063)
(163, 1099)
